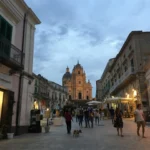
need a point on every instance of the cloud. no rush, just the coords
(91, 31)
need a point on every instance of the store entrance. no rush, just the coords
(6, 108)
(1, 103)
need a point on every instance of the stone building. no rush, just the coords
(17, 27)
(47, 94)
(126, 76)
(103, 84)
(76, 84)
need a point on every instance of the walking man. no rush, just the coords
(68, 118)
(112, 113)
(86, 118)
(140, 120)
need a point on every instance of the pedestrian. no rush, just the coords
(112, 113)
(80, 117)
(118, 121)
(86, 118)
(140, 119)
(77, 115)
(68, 119)
(97, 117)
(91, 117)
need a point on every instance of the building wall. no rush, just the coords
(14, 11)
(127, 71)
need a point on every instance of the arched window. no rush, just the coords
(79, 82)
(87, 97)
(78, 72)
(80, 95)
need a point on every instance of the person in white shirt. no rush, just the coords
(140, 119)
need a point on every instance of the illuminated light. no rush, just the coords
(1, 102)
(47, 109)
(134, 93)
(36, 106)
(128, 95)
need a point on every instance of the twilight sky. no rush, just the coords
(91, 31)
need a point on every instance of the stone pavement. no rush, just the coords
(98, 138)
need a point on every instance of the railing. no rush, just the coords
(10, 53)
(123, 77)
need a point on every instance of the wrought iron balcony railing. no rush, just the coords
(10, 55)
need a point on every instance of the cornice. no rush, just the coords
(12, 10)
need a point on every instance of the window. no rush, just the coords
(36, 90)
(79, 82)
(87, 91)
(5, 35)
(78, 72)
(87, 97)
(5, 29)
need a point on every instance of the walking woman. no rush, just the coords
(118, 122)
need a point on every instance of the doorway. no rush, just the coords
(80, 95)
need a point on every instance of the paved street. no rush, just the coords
(98, 138)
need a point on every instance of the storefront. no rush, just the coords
(127, 105)
(6, 108)
(1, 103)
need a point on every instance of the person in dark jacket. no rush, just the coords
(68, 118)
(86, 115)
(112, 113)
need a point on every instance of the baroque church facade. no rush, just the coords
(78, 88)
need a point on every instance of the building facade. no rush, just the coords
(126, 76)
(17, 27)
(47, 94)
(76, 84)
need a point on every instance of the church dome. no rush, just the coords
(67, 75)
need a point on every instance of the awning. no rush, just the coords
(118, 100)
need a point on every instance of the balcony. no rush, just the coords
(10, 55)
(126, 76)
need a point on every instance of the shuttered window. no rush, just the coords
(5, 29)
(5, 38)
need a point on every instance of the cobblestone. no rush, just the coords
(98, 138)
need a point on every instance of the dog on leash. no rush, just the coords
(76, 133)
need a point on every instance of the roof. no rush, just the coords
(36, 19)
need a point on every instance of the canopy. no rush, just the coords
(94, 102)
(118, 99)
